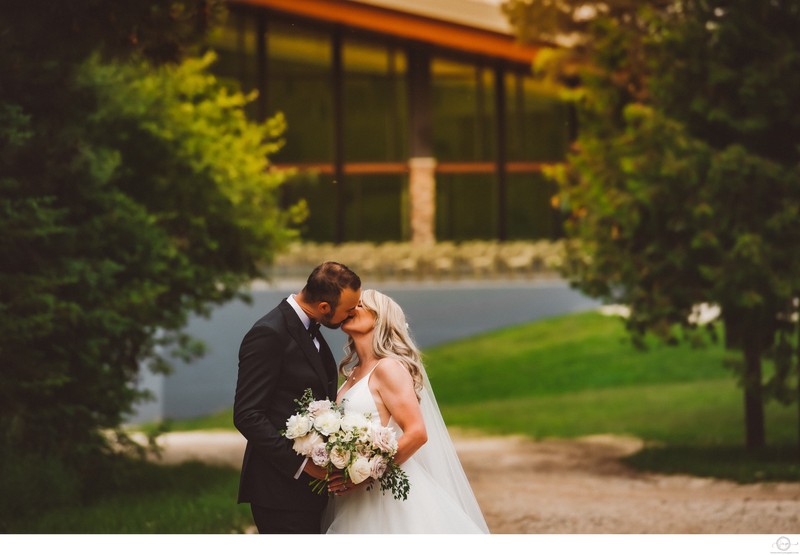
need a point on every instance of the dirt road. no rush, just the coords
(575, 486)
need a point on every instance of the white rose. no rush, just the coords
(327, 423)
(377, 467)
(297, 425)
(315, 408)
(319, 454)
(304, 445)
(384, 439)
(352, 421)
(339, 457)
(360, 470)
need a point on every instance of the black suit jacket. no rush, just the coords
(277, 362)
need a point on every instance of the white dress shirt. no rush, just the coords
(302, 315)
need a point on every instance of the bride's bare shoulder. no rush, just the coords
(392, 371)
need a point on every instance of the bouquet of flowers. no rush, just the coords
(346, 441)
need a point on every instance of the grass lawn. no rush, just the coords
(578, 375)
(191, 498)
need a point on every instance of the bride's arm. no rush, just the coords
(395, 389)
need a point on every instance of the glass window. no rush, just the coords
(375, 103)
(529, 212)
(299, 81)
(235, 44)
(538, 123)
(319, 191)
(463, 112)
(374, 207)
(466, 207)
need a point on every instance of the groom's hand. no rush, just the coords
(337, 482)
(315, 471)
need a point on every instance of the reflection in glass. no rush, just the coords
(236, 45)
(299, 80)
(530, 214)
(463, 112)
(537, 122)
(465, 207)
(292, 66)
(375, 103)
(374, 207)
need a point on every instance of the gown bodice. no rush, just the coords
(428, 508)
(359, 398)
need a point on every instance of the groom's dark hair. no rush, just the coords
(327, 281)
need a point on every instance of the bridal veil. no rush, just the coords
(439, 457)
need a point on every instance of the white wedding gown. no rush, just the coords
(434, 505)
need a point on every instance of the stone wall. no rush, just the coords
(407, 261)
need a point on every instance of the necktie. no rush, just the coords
(313, 330)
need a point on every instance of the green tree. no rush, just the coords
(729, 72)
(684, 185)
(133, 192)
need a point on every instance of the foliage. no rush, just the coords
(197, 164)
(684, 181)
(730, 71)
(25, 477)
(582, 38)
(137, 497)
(669, 223)
(571, 23)
(159, 30)
(131, 195)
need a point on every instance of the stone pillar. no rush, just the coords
(422, 197)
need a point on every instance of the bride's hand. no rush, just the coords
(339, 485)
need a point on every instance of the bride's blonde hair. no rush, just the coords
(390, 340)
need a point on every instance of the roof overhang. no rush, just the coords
(404, 25)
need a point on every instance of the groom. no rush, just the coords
(281, 356)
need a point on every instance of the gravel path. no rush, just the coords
(575, 486)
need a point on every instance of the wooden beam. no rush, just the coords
(405, 26)
(393, 168)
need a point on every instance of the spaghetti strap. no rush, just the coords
(371, 371)
(364, 378)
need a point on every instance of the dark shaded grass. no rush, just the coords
(148, 498)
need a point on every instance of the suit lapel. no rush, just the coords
(300, 335)
(330, 364)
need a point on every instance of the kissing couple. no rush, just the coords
(381, 376)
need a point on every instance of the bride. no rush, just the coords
(388, 381)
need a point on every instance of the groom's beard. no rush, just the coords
(327, 323)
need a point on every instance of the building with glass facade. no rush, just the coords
(409, 119)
